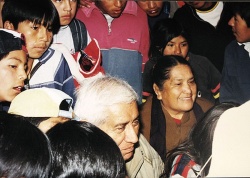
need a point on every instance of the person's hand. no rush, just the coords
(86, 3)
(45, 125)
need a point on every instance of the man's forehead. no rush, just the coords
(123, 113)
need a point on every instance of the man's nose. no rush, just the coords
(131, 135)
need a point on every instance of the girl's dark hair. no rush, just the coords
(24, 149)
(81, 149)
(38, 11)
(163, 32)
(198, 146)
(163, 67)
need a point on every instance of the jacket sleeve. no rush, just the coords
(144, 44)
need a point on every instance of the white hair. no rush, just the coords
(96, 95)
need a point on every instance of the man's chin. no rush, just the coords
(128, 156)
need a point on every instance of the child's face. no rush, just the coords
(240, 29)
(12, 74)
(66, 10)
(113, 8)
(177, 46)
(37, 37)
(152, 8)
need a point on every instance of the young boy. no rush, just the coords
(121, 29)
(13, 66)
(235, 83)
(73, 33)
(72, 38)
(38, 21)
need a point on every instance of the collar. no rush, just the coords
(246, 46)
(131, 8)
(209, 10)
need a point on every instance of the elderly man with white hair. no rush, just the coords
(111, 104)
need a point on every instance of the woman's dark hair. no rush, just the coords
(163, 32)
(82, 150)
(38, 11)
(163, 67)
(198, 146)
(24, 149)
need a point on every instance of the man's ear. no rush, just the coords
(8, 25)
(157, 91)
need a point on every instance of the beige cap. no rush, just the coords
(42, 102)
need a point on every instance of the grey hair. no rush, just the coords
(96, 95)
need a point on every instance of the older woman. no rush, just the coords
(168, 115)
(169, 38)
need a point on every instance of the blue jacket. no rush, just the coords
(235, 83)
(51, 70)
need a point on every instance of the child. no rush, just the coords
(121, 29)
(24, 150)
(72, 38)
(81, 149)
(13, 66)
(38, 21)
(235, 83)
(73, 33)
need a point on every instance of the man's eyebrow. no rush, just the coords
(137, 118)
(121, 124)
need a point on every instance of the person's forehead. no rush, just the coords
(180, 70)
(123, 112)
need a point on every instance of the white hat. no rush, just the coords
(42, 102)
(231, 144)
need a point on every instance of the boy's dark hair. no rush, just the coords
(243, 9)
(81, 149)
(10, 41)
(24, 149)
(3, 55)
(38, 11)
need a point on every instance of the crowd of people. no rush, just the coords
(124, 89)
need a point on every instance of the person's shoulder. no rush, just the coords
(77, 26)
(76, 21)
(183, 10)
(232, 47)
(133, 9)
(204, 103)
(198, 59)
(147, 150)
(152, 164)
(58, 53)
(184, 166)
